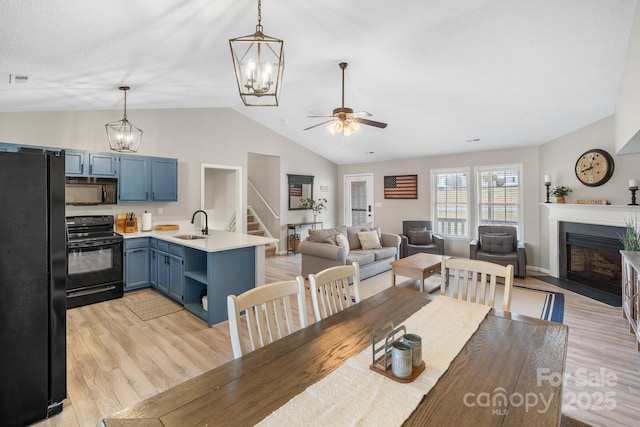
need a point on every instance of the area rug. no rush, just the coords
(544, 305)
(153, 306)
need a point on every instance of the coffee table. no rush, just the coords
(417, 266)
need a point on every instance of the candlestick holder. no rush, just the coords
(633, 196)
(547, 184)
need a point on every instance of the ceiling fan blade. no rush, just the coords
(319, 117)
(372, 123)
(320, 124)
(361, 114)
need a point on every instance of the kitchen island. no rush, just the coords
(193, 265)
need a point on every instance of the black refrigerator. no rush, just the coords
(33, 270)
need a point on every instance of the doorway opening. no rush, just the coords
(221, 197)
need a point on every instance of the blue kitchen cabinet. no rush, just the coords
(148, 179)
(101, 164)
(170, 269)
(8, 147)
(74, 162)
(84, 163)
(136, 263)
(153, 264)
(176, 274)
(164, 179)
(133, 182)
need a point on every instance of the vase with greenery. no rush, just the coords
(317, 206)
(560, 192)
(631, 238)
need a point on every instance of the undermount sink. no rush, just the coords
(190, 237)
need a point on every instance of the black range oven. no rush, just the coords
(95, 260)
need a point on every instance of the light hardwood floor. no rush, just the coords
(115, 359)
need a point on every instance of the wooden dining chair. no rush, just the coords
(267, 314)
(475, 281)
(330, 290)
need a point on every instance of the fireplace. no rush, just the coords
(589, 255)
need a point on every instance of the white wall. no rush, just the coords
(628, 108)
(193, 136)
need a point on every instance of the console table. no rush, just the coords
(630, 288)
(293, 238)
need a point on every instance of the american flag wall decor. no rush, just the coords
(401, 187)
(295, 190)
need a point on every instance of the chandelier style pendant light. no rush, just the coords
(258, 61)
(123, 135)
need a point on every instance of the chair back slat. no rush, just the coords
(330, 290)
(476, 281)
(266, 312)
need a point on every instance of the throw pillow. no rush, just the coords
(369, 240)
(420, 237)
(321, 235)
(352, 235)
(376, 229)
(496, 244)
(331, 240)
(343, 242)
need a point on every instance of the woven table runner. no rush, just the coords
(355, 395)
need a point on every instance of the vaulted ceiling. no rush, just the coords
(448, 76)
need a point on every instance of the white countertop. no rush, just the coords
(216, 241)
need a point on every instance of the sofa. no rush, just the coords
(343, 245)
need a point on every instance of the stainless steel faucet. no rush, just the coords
(205, 230)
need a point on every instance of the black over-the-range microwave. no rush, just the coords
(83, 191)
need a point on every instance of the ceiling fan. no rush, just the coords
(344, 120)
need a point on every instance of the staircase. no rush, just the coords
(255, 227)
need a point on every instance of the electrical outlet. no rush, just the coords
(159, 211)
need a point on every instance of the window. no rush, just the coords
(451, 202)
(499, 195)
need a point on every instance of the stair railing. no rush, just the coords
(262, 199)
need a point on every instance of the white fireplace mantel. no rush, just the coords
(611, 215)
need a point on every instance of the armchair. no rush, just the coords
(499, 244)
(417, 237)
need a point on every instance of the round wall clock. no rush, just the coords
(594, 167)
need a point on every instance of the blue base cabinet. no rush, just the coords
(136, 263)
(220, 274)
(186, 274)
(170, 270)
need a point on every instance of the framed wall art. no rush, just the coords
(401, 187)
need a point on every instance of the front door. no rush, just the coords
(358, 199)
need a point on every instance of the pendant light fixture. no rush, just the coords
(258, 61)
(123, 135)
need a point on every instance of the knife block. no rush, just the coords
(126, 226)
(131, 226)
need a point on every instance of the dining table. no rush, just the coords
(509, 372)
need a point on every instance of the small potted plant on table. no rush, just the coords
(317, 206)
